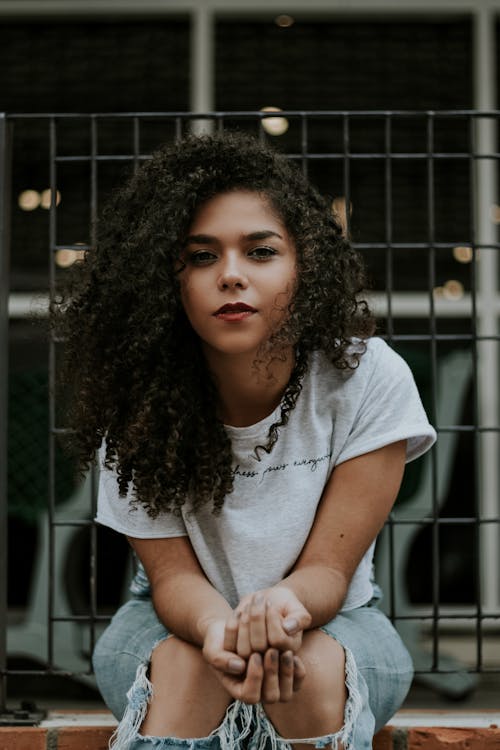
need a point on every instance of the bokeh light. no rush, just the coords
(274, 125)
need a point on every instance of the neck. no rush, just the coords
(249, 391)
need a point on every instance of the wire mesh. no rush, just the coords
(441, 330)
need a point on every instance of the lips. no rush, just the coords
(235, 307)
(234, 313)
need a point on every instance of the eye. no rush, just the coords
(201, 257)
(263, 252)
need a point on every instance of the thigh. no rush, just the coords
(381, 666)
(124, 647)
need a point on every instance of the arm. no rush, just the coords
(176, 577)
(354, 506)
(200, 615)
(185, 601)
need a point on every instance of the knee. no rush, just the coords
(318, 707)
(187, 699)
(177, 657)
(324, 660)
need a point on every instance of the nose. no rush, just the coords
(232, 274)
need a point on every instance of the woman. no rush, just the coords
(252, 440)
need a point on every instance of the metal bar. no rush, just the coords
(52, 390)
(178, 128)
(93, 477)
(431, 234)
(315, 156)
(136, 137)
(358, 245)
(420, 245)
(447, 521)
(488, 275)
(448, 616)
(304, 144)
(219, 124)
(404, 304)
(475, 398)
(347, 173)
(202, 68)
(250, 114)
(5, 184)
(390, 330)
(389, 259)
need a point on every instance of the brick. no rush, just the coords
(383, 739)
(84, 738)
(447, 738)
(23, 738)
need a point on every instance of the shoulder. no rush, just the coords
(372, 359)
(382, 358)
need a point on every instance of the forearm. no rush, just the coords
(360, 488)
(320, 589)
(187, 603)
(184, 599)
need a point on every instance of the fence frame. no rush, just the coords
(5, 183)
(483, 158)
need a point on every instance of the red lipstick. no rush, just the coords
(233, 312)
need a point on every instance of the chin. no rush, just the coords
(232, 349)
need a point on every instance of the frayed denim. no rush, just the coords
(378, 674)
(235, 727)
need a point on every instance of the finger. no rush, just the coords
(244, 602)
(257, 625)
(299, 673)
(231, 634)
(226, 662)
(297, 620)
(286, 676)
(277, 637)
(255, 676)
(243, 646)
(271, 683)
(249, 689)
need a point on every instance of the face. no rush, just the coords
(239, 273)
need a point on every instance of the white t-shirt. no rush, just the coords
(266, 519)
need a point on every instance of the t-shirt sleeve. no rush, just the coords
(117, 513)
(390, 408)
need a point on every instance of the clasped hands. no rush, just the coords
(254, 652)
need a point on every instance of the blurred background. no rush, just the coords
(419, 194)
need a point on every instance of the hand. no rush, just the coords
(224, 660)
(283, 676)
(258, 628)
(272, 617)
(270, 677)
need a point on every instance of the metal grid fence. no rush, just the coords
(446, 328)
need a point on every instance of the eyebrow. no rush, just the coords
(206, 239)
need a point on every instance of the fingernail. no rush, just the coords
(259, 598)
(235, 665)
(290, 625)
(287, 659)
(296, 662)
(274, 656)
(257, 659)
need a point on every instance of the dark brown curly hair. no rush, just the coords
(133, 363)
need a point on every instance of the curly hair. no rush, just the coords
(134, 365)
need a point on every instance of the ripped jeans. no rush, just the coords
(378, 676)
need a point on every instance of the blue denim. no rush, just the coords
(378, 676)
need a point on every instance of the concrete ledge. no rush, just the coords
(408, 730)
